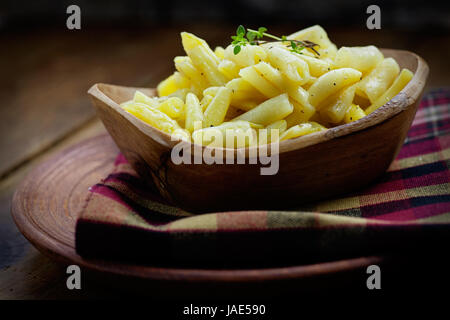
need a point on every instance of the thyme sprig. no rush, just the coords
(245, 37)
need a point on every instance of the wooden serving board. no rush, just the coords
(46, 204)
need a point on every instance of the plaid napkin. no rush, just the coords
(407, 209)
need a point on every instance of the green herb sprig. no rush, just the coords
(245, 37)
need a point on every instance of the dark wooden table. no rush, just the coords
(45, 108)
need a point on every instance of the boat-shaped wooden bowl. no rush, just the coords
(320, 165)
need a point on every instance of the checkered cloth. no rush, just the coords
(407, 209)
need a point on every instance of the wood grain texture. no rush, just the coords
(24, 272)
(311, 167)
(46, 205)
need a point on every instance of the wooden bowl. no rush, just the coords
(320, 165)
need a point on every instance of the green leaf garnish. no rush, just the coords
(245, 37)
(261, 30)
(251, 36)
(240, 30)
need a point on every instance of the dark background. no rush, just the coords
(412, 15)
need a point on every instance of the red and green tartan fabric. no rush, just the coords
(407, 209)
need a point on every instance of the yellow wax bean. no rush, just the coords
(185, 66)
(354, 113)
(216, 136)
(173, 107)
(218, 107)
(243, 90)
(211, 91)
(219, 52)
(363, 59)
(245, 105)
(301, 113)
(143, 98)
(153, 117)
(331, 82)
(266, 136)
(402, 80)
(291, 66)
(301, 130)
(337, 105)
(206, 100)
(173, 83)
(269, 111)
(273, 75)
(318, 35)
(229, 69)
(317, 67)
(193, 112)
(203, 58)
(180, 94)
(252, 76)
(248, 56)
(379, 79)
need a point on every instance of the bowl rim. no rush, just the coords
(404, 99)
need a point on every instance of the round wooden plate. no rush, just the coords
(46, 204)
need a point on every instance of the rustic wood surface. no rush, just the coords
(45, 108)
